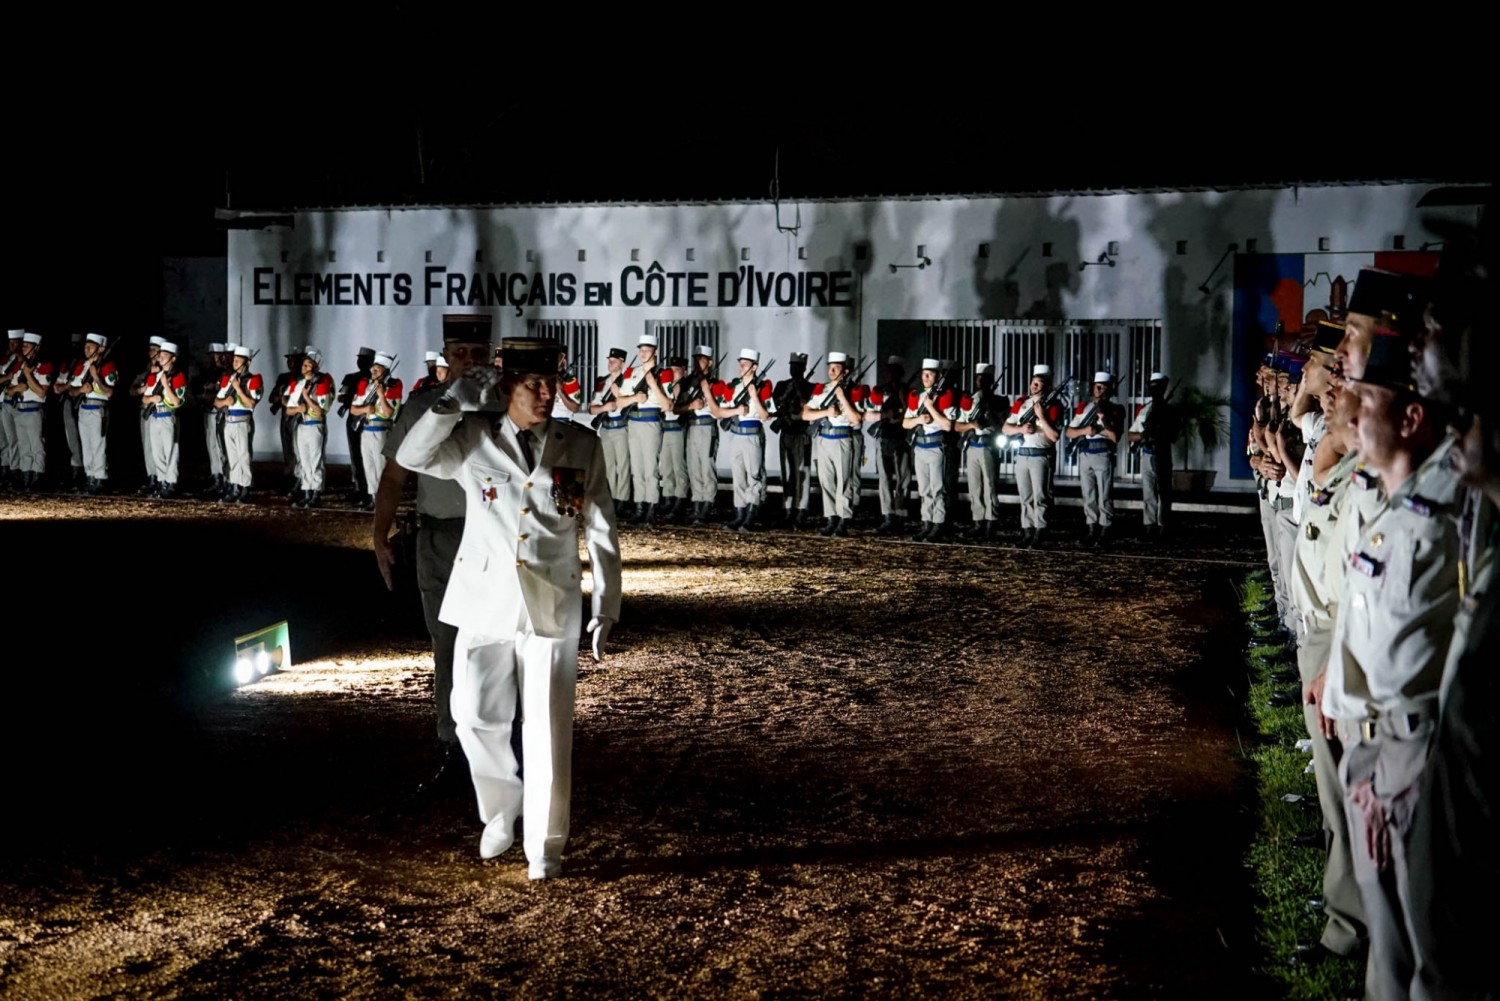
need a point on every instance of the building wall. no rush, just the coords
(1018, 277)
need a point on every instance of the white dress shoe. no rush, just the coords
(498, 836)
(544, 869)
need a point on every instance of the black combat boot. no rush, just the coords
(830, 527)
(739, 519)
(921, 533)
(80, 482)
(749, 524)
(939, 531)
(148, 488)
(841, 530)
(989, 531)
(886, 527)
(312, 498)
(165, 490)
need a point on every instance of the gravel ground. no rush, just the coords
(808, 768)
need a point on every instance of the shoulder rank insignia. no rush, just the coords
(1363, 478)
(1365, 565)
(1419, 506)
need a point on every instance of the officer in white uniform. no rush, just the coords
(239, 391)
(515, 592)
(745, 405)
(836, 421)
(1038, 425)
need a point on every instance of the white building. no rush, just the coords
(1185, 281)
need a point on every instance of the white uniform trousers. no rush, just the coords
(1285, 527)
(31, 451)
(835, 470)
(672, 462)
(700, 461)
(70, 431)
(7, 436)
(92, 417)
(237, 435)
(1034, 488)
(982, 468)
(215, 446)
(616, 444)
(372, 455)
(311, 437)
(147, 453)
(489, 675)
(1096, 471)
(932, 486)
(163, 431)
(643, 435)
(747, 464)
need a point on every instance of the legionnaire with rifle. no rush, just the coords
(27, 391)
(288, 422)
(62, 388)
(569, 399)
(138, 390)
(610, 423)
(1036, 420)
(213, 415)
(672, 461)
(744, 407)
(1153, 433)
(164, 395)
(377, 398)
(641, 399)
(794, 442)
(1097, 427)
(978, 421)
(348, 387)
(308, 399)
(92, 387)
(692, 403)
(885, 408)
(929, 416)
(239, 391)
(837, 420)
(8, 366)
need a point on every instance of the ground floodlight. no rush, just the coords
(259, 653)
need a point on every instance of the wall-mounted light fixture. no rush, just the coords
(1104, 259)
(922, 260)
(1203, 286)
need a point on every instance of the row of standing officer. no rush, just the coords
(1383, 557)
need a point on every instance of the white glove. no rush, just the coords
(599, 630)
(472, 390)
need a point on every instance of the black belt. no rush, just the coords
(1034, 452)
(428, 521)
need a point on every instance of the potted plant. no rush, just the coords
(1201, 417)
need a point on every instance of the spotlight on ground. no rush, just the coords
(259, 653)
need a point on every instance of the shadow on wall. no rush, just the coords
(1022, 228)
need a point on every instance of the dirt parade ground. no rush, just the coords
(809, 768)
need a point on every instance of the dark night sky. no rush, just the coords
(103, 185)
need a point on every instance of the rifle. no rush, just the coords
(1144, 428)
(829, 397)
(1028, 416)
(695, 387)
(741, 394)
(97, 362)
(607, 398)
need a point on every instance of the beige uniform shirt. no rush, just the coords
(1395, 617)
(1314, 590)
